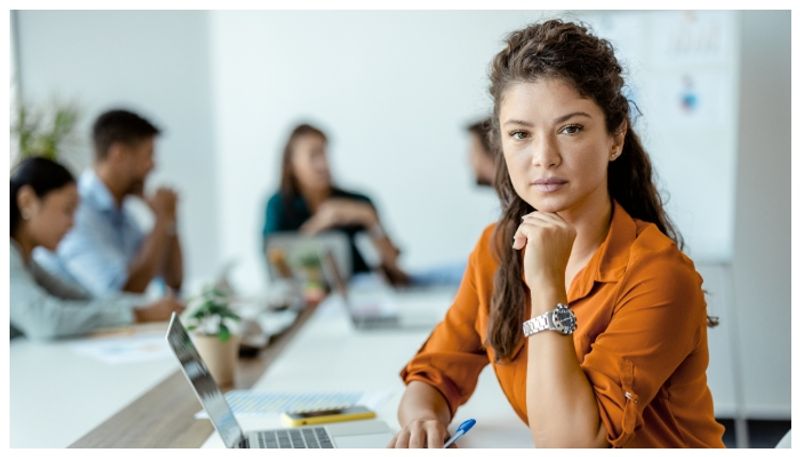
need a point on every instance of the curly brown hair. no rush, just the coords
(571, 53)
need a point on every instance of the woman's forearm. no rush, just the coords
(386, 249)
(421, 401)
(562, 410)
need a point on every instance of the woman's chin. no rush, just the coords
(547, 204)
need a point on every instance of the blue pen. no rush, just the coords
(461, 431)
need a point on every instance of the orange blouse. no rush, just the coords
(641, 339)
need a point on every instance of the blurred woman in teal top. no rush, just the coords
(309, 203)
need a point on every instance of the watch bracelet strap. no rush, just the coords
(538, 324)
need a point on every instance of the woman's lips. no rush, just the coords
(549, 185)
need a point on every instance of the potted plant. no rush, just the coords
(210, 321)
(45, 131)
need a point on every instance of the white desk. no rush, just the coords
(58, 395)
(328, 354)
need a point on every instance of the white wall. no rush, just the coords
(153, 62)
(394, 91)
(761, 262)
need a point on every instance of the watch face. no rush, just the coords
(564, 320)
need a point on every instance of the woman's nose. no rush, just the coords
(545, 154)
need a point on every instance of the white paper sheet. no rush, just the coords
(269, 403)
(114, 350)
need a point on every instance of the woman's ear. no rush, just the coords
(27, 202)
(619, 135)
(618, 141)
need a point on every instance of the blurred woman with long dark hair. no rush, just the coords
(309, 202)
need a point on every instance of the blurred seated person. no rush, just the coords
(309, 202)
(107, 251)
(482, 162)
(44, 197)
(481, 157)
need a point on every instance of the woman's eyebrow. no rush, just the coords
(567, 116)
(518, 122)
(557, 120)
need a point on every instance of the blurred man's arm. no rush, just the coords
(150, 259)
(173, 264)
(160, 253)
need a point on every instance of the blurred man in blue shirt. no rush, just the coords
(107, 251)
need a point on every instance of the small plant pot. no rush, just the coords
(220, 357)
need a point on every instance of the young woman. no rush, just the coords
(579, 296)
(44, 197)
(310, 203)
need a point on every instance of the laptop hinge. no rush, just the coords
(244, 443)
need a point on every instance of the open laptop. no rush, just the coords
(364, 433)
(382, 307)
(295, 247)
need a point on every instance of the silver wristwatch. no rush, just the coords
(561, 319)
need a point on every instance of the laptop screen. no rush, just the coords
(335, 277)
(294, 248)
(204, 385)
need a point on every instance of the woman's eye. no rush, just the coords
(571, 129)
(518, 135)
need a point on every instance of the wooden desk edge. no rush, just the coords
(163, 416)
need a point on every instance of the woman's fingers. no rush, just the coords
(519, 240)
(418, 436)
(524, 230)
(435, 435)
(547, 218)
(401, 439)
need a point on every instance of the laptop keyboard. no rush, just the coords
(301, 438)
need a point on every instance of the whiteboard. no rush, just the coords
(683, 75)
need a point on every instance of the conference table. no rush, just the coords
(58, 393)
(63, 397)
(329, 354)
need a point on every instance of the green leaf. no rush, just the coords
(224, 333)
(229, 314)
(37, 136)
